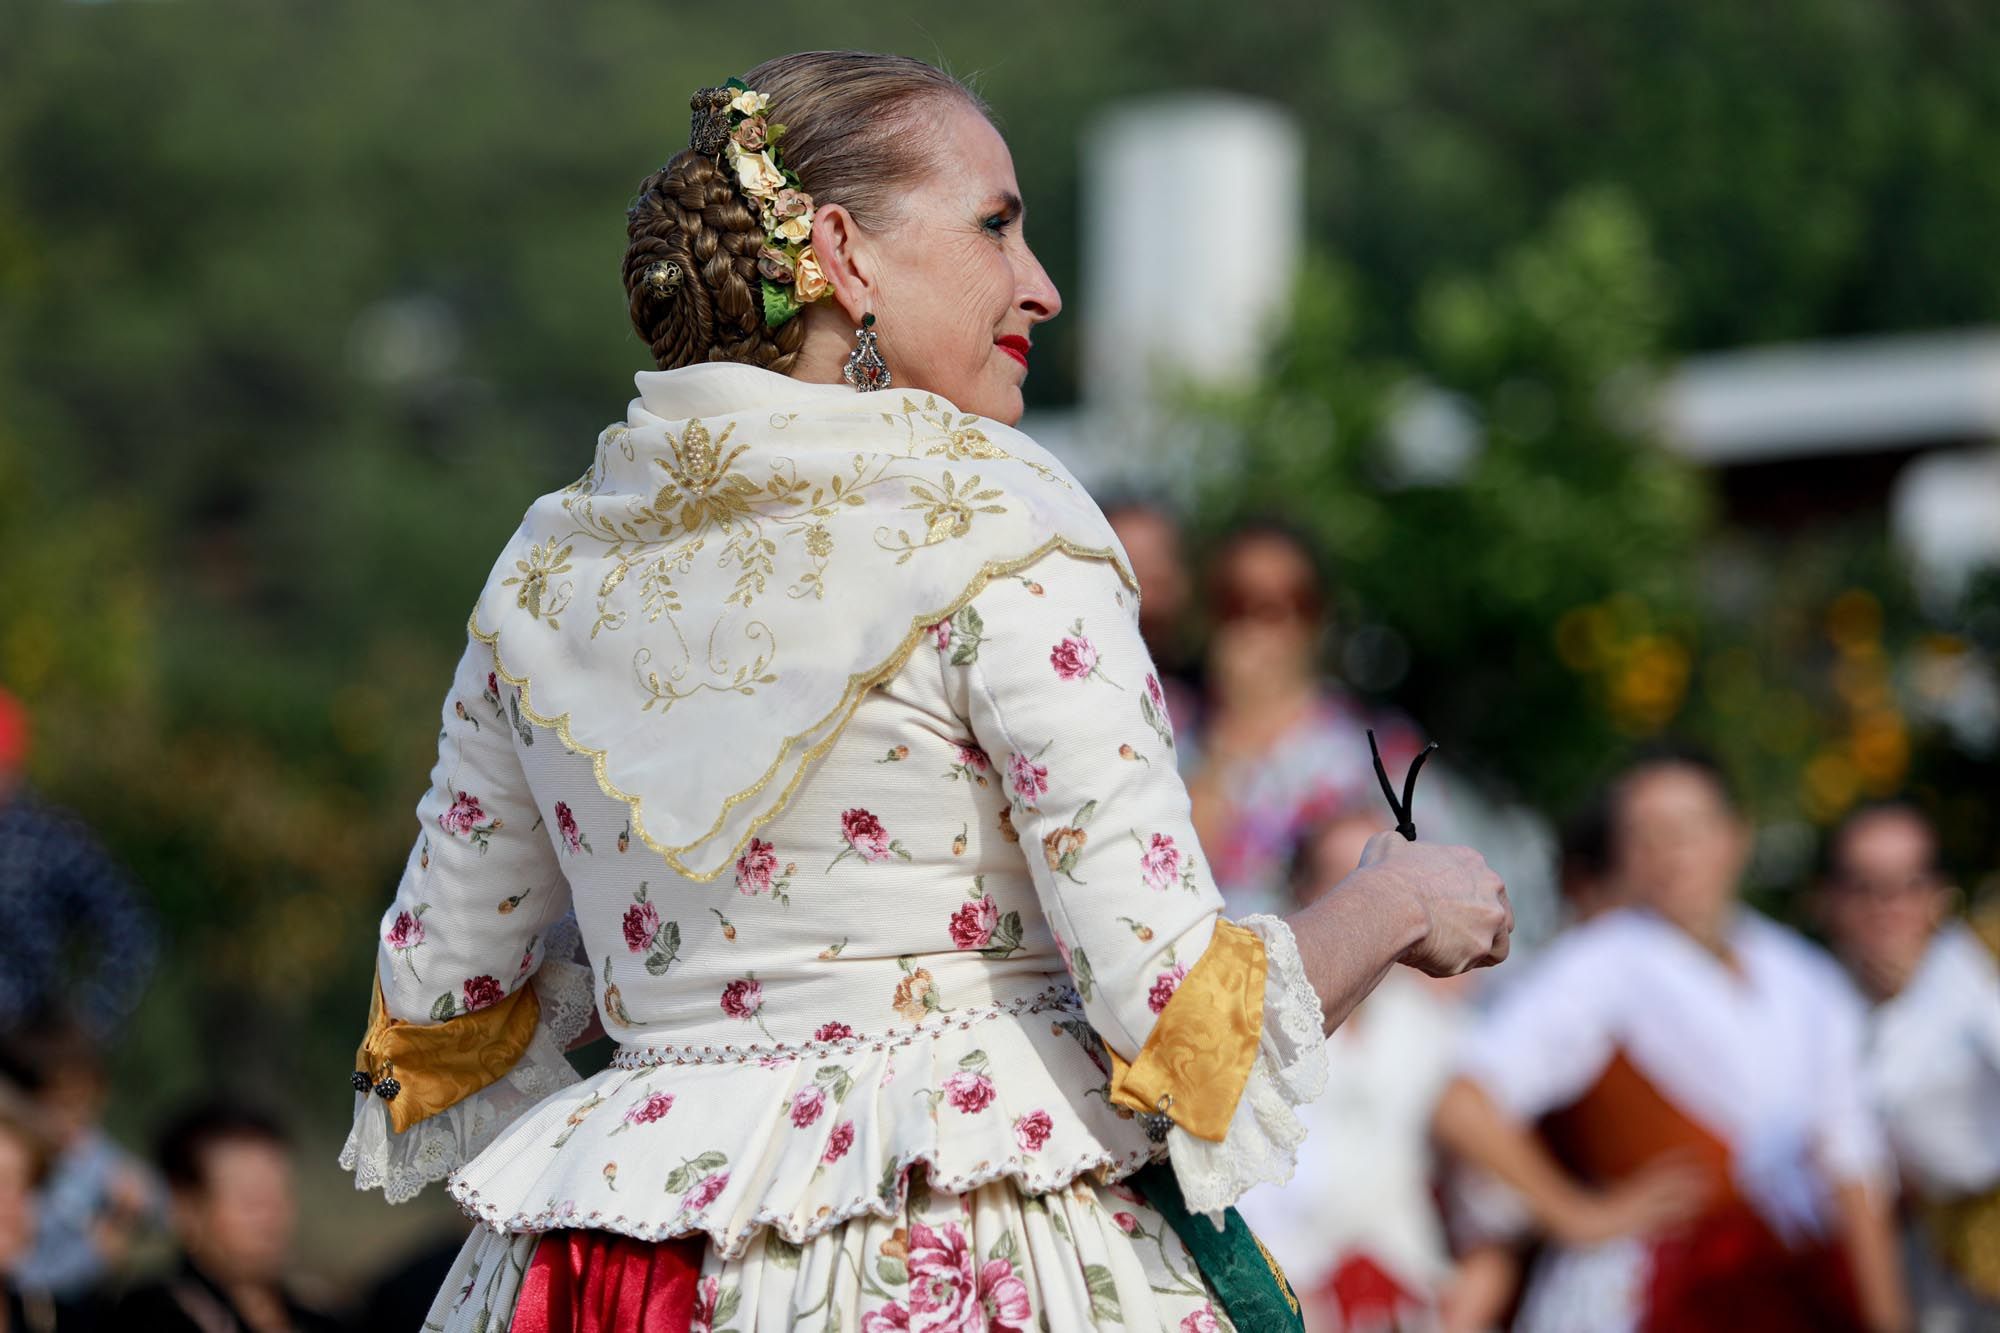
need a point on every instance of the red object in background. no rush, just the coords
(1730, 1272)
(600, 1282)
(13, 735)
(1727, 1271)
(1367, 1296)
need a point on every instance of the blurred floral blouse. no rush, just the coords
(1318, 770)
(810, 741)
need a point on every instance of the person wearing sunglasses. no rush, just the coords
(1282, 749)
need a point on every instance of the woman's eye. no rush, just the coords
(998, 223)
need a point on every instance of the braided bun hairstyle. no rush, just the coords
(853, 133)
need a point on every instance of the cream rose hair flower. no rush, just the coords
(789, 274)
(810, 283)
(757, 175)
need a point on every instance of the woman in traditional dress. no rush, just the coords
(808, 738)
(1675, 1090)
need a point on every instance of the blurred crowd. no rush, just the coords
(1676, 1114)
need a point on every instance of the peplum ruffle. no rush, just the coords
(727, 1140)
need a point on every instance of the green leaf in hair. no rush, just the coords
(780, 304)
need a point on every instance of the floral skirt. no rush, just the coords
(1084, 1256)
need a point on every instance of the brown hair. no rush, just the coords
(847, 118)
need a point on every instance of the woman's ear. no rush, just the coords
(845, 259)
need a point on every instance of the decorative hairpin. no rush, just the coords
(663, 276)
(708, 131)
(1405, 824)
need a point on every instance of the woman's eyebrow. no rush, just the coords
(1006, 201)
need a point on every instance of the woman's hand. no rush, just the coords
(1468, 919)
(1661, 1195)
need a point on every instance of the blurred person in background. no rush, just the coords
(1282, 747)
(1492, 1232)
(1357, 1227)
(1708, 1159)
(23, 1161)
(1932, 1050)
(97, 1198)
(1152, 538)
(234, 1210)
(79, 939)
(1584, 878)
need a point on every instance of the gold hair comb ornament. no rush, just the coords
(663, 276)
(732, 124)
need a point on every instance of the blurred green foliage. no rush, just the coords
(300, 305)
(1555, 508)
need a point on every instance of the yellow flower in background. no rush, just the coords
(1880, 750)
(1829, 786)
(794, 228)
(750, 103)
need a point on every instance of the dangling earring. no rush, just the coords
(866, 370)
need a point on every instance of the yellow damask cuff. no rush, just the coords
(1198, 1057)
(438, 1065)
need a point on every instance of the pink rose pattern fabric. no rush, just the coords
(1058, 707)
(1160, 863)
(838, 1142)
(566, 825)
(650, 1109)
(1032, 1130)
(743, 998)
(807, 1106)
(1030, 780)
(1163, 988)
(757, 868)
(642, 923)
(972, 925)
(465, 814)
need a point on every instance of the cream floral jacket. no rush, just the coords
(865, 862)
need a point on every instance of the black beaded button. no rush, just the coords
(1156, 1126)
(362, 1082)
(387, 1089)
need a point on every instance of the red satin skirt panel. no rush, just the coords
(600, 1282)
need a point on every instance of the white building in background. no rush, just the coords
(1172, 294)
(1904, 428)
(1908, 424)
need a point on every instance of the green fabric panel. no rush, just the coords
(1249, 1286)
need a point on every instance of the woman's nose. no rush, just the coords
(1039, 297)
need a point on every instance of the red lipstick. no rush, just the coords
(1016, 346)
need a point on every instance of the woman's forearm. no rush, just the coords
(1871, 1254)
(1468, 1124)
(1351, 937)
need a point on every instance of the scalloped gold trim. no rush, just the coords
(858, 685)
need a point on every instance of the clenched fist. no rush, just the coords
(1464, 903)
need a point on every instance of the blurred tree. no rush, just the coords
(1546, 533)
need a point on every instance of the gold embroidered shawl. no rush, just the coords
(748, 554)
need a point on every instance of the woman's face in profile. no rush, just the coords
(960, 291)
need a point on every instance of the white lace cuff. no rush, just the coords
(400, 1165)
(1290, 1070)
